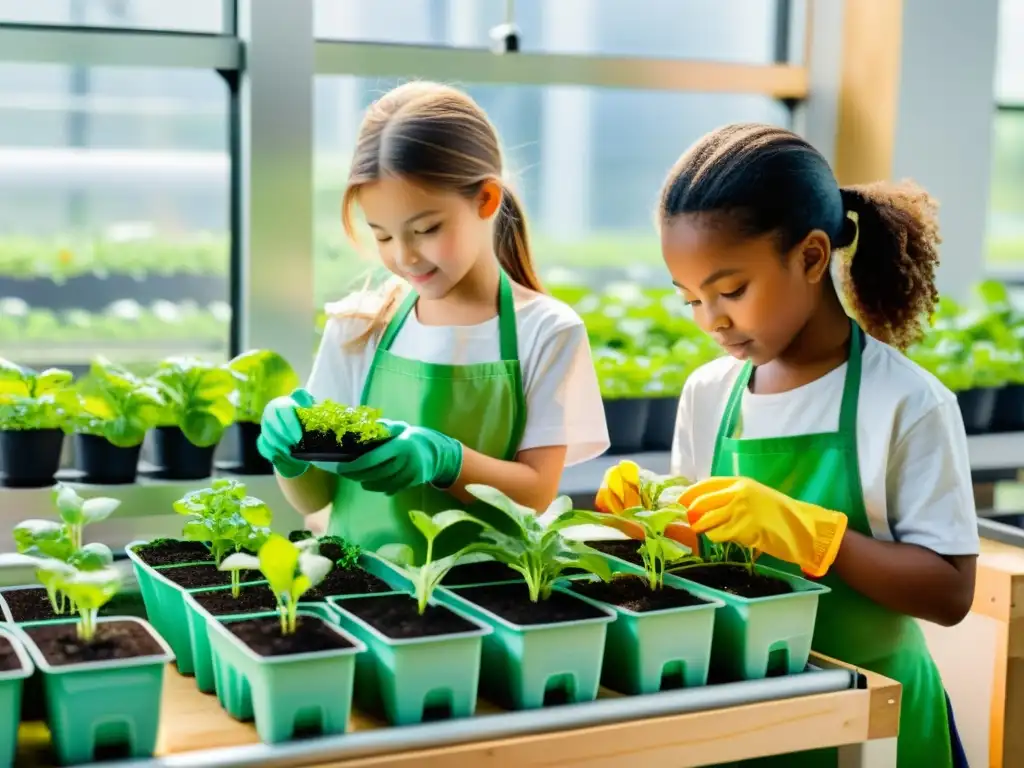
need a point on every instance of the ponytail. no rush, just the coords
(890, 273)
(512, 243)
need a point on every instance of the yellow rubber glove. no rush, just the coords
(746, 512)
(620, 490)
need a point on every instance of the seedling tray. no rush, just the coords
(339, 455)
(824, 706)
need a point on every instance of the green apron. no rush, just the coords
(822, 469)
(483, 406)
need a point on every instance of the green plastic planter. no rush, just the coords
(649, 651)
(521, 664)
(101, 705)
(11, 684)
(284, 693)
(8, 617)
(758, 636)
(165, 606)
(406, 678)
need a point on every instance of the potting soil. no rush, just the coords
(635, 594)
(172, 552)
(263, 635)
(254, 599)
(9, 660)
(60, 644)
(397, 617)
(346, 581)
(736, 580)
(624, 549)
(479, 573)
(199, 576)
(326, 447)
(512, 603)
(33, 604)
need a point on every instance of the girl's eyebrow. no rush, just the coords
(410, 220)
(716, 275)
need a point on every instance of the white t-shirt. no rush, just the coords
(911, 443)
(563, 400)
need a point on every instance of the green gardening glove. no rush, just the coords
(280, 431)
(413, 456)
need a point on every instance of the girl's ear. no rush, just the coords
(815, 254)
(489, 199)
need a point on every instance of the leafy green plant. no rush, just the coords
(226, 520)
(77, 512)
(290, 569)
(537, 548)
(32, 399)
(261, 375)
(327, 417)
(116, 405)
(197, 398)
(426, 577)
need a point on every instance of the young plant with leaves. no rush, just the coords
(347, 424)
(226, 520)
(116, 405)
(197, 398)
(290, 569)
(427, 576)
(537, 548)
(77, 512)
(32, 399)
(260, 376)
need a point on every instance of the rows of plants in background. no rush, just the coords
(977, 350)
(186, 403)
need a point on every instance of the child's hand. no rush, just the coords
(280, 431)
(413, 456)
(744, 511)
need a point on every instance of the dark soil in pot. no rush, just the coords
(346, 581)
(254, 599)
(199, 576)
(1009, 409)
(661, 423)
(480, 573)
(9, 660)
(263, 636)
(172, 552)
(512, 603)
(978, 407)
(115, 640)
(34, 605)
(103, 463)
(634, 594)
(624, 549)
(323, 446)
(627, 423)
(31, 457)
(397, 617)
(179, 459)
(736, 580)
(249, 460)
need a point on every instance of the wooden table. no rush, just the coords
(192, 721)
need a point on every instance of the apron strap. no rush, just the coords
(730, 419)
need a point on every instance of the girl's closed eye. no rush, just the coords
(430, 230)
(734, 294)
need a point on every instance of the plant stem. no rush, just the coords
(236, 579)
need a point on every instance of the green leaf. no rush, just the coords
(69, 504)
(239, 561)
(262, 375)
(100, 508)
(49, 537)
(657, 520)
(424, 524)
(278, 560)
(524, 517)
(92, 557)
(400, 554)
(256, 512)
(91, 590)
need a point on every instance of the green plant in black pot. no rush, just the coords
(34, 415)
(116, 409)
(623, 380)
(335, 432)
(260, 376)
(197, 409)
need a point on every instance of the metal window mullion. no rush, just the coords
(92, 47)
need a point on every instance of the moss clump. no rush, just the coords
(346, 423)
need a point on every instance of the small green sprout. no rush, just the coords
(77, 512)
(658, 550)
(89, 591)
(426, 577)
(290, 569)
(329, 417)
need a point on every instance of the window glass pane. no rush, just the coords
(725, 30)
(114, 203)
(1006, 207)
(1010, 56)
(587, 163)
(178, 15)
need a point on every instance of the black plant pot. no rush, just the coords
(31, 457)
(1009, 409)
(249, 460)
(178, 459)
(661, 423)
(978, 407)
(103, 463)
(627, 423)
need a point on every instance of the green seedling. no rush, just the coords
(77, 512)
(260, 375)
(359, 422)
(116, 405)
(34, 399)
(537, 549)
(226, 520)
(658, 551)
(89, 590)
(426, 577)
(290, 569)
(197, 398)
